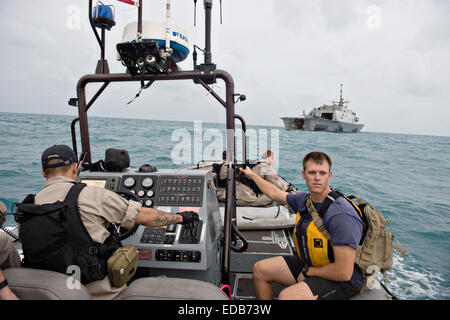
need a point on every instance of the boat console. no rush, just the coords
(174, 250)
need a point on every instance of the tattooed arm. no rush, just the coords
(154, 218)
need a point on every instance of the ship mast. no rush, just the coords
(341, 100)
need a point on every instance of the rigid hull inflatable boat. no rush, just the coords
(214, 258)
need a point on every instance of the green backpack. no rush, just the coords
(375, 250)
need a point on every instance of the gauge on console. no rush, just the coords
(129, 182)
(148, 203)
(147, 183)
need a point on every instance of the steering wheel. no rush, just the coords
(124, 233)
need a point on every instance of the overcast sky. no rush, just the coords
(286, 55)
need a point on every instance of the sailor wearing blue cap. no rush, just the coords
(98, 208)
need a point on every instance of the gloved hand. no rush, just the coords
(188, 216)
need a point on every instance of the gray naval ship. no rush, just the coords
(336, 117)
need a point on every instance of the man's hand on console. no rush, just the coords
(188, 216)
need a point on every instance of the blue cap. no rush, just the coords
(61, 152)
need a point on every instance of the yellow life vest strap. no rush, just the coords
(333, 197)
(316, 218)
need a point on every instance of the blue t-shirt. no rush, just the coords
(340, 220)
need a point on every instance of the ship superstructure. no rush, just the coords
(335, 117)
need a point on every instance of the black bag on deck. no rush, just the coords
(54, 238)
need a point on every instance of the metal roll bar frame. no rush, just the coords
(204, 74)
(230, 204)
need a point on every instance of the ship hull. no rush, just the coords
(306, 124)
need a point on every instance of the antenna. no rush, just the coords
(195, 12)
(168, 49)
(341, 101)
(208, 9)
(139, 24)
(207, 67)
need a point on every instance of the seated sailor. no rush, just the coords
(9, 258)
(96, 208)
(247, 192)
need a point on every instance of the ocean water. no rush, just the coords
(405, 176)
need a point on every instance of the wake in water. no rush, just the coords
(413, 281)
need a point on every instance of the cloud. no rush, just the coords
(339, 15)
(286, 56)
